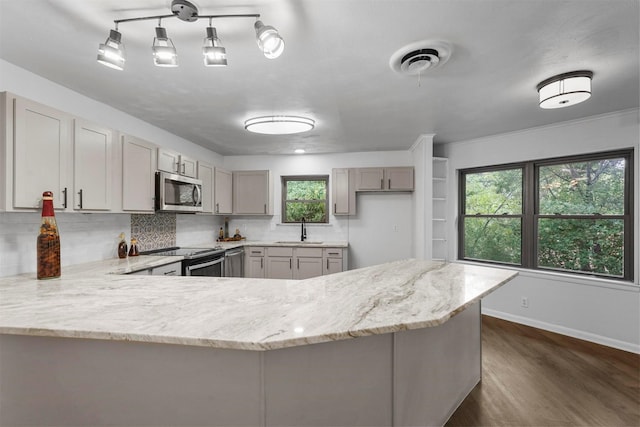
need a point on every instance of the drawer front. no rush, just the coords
(254, 251)
(333, 252)
(173, 269)
(277, 251)
(309, 252)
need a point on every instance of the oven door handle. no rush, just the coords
(190, 268)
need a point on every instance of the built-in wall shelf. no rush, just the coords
(439, 209)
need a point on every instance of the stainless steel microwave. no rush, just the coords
(177, 193)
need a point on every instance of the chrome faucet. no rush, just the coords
(303, 232)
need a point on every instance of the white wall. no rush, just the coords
(381, 231)
(87, 237)
(603, 311)
(31, 86)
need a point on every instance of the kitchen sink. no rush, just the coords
(298, 242)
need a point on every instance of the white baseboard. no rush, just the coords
(575, 333)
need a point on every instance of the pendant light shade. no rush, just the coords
(164, 52)
(279, 125)
(269, 41)
(565, 89)
(214, 54)
(111, 53)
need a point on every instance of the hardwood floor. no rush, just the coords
(532, 377)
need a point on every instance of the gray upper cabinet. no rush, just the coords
(385, 179)
(41, 160)
(205, 174)
(252, 192)
(138, 179)
(343, 191)
(172, 162)
(223, 193)
(92, 166)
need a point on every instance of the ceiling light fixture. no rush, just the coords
(164, 52)
(279, 125)
(214, 54)
(112, 53)
(565, 89)
(299, 151)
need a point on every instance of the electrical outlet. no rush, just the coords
(524, 302)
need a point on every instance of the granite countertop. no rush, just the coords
(238, 313)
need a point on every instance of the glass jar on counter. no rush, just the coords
(133, 249)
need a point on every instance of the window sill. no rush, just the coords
(621, 285)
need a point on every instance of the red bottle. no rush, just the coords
(48, 244)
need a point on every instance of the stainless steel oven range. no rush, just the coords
(197, 261)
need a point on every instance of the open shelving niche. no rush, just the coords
(439, 209)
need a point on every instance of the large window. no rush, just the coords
(305, 197)
(569, 214)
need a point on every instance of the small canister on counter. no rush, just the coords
(48, 244)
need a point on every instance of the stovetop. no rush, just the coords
(188, 253)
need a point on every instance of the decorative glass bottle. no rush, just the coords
(133, 249)
(48, 245)
(122, 247)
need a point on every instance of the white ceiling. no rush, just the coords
(335, 67)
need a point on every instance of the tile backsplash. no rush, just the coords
(154, 231)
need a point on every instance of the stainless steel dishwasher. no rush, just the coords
(234, 262)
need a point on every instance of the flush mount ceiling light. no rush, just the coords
(565, 89)
(111, 53)
(279, 125)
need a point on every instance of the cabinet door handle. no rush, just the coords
(298, 263)
(80, 194)
(290, 266)
(184, 168)
(217, 207)
(327, 264)
(389, 184)
(265, 208)
(381, 184)
(335, 207)
(169, 273)
(177, 167)
(261, 263)
(64, 204)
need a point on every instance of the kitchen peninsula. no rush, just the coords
(393, 344)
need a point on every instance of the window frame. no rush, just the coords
(284, 179)
(531, 211)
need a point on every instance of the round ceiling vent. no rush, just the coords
(419, 57)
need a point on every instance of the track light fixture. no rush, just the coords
(111, 53)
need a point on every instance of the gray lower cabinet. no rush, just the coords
(254, 265)
(307, 263)
(289, 262)
(333, 261)
(279, 262)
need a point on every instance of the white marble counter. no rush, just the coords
(280, 243)
(236, 313)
